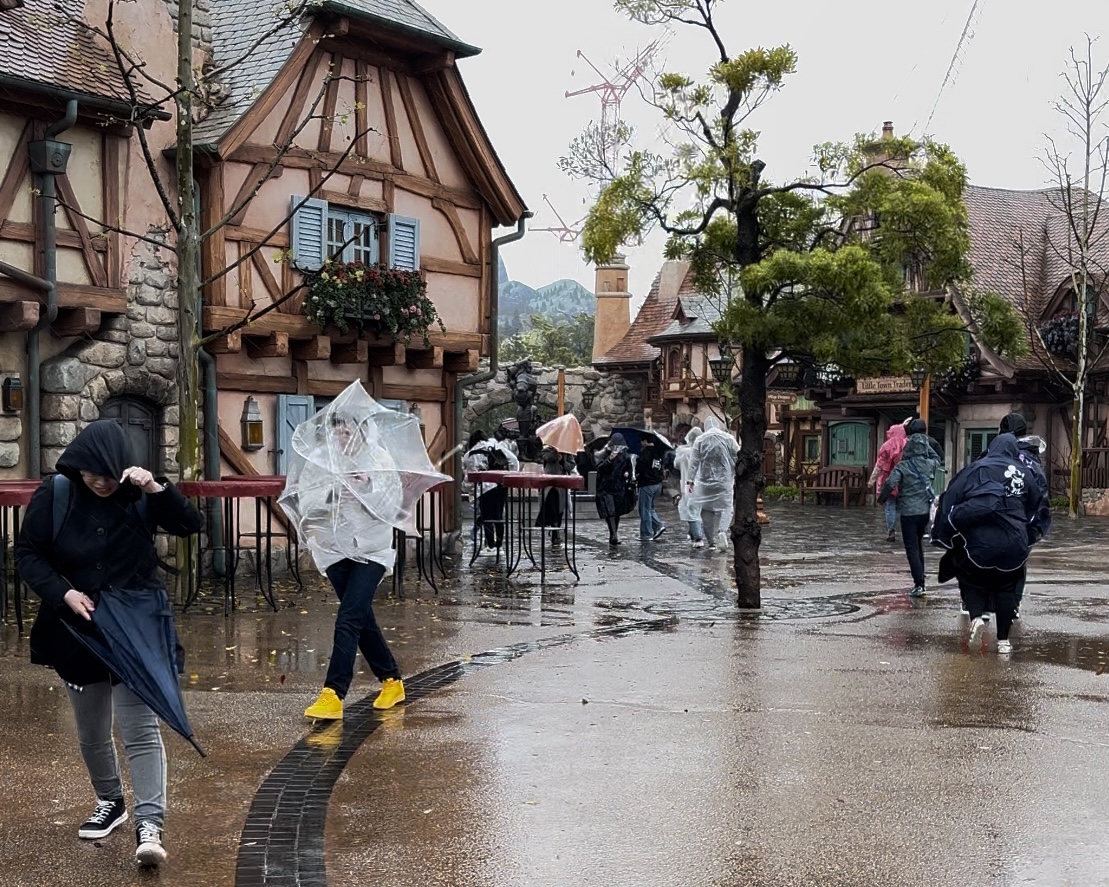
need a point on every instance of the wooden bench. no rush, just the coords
(846, 480)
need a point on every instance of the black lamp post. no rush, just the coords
(918, 374)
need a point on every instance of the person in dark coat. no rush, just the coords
(649, 475)
(912, 478)
(1030, 450)
(103, 540)
(988, 519)
(614, 484)
(553, 510)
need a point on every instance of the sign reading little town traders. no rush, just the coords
(885, 385)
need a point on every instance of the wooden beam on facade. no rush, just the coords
(426, 157)
(316, 348)
(18, 170)
(213, 251)
(76, 322)
(387, 356)
(325, 387)
(448, 209)
(429, 393)
(395, 156)
(232, 343)
(255, 383)
(351, 352)
(271, 345)
(16, 316)
(466, 361)
(113, 215)
(24, 232)
(370, 204)
(68, 197)
(361, 107)
(449, 266)
(278, 239)
(330, 100)
(431, 359)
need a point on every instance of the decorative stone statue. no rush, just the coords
(524, 384)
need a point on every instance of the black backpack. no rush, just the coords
(496, 458)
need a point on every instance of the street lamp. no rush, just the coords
(789, 373)
(918, 374)
(721, 369)
(587, 395)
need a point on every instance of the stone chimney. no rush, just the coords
(887, 129)
(613, 317)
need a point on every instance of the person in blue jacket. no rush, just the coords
(989, 517)
(912, 478)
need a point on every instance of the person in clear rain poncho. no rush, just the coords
(356, 472)
(712, 464)
(686, 510)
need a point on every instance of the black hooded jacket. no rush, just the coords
(101, 542)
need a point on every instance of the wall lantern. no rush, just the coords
(11, 394)
(587, 395)
(789, 373)
(918, 374)
(251, 425)
(722, 369)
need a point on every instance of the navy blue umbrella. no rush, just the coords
(633, 438)
(137, 641)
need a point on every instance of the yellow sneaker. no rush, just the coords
(328, 707)
(392, 692)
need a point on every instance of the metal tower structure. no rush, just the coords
(564, 232)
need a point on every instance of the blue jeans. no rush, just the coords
(95, 706)
(355, 626)
(891, 514)
(696, 531)
(649, 523)
(912, 535)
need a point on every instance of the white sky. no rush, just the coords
(860, 62)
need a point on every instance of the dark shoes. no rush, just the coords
(660, 531)
(106, 818)
(890, 537)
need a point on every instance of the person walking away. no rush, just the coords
(682, 464)
(552, 510)
(105, 538)
(989, 517)
(615, 485)
(889, 454)
(489, 454)
(649, 475)
(712, 465)
(1030, 450)
(912, 478)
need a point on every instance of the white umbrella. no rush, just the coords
(356, 472)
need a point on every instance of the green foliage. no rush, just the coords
(779, 493)
(1059, 502)
(372, 297)
(552, 344)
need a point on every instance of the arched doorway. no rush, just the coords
(139, 418)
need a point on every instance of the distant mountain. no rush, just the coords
(561, 300)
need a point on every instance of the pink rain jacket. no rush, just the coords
(889, 455)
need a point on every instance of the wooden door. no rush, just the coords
(849, 444)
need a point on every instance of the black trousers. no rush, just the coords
(985, 590)
(491, 515)
(912, 535)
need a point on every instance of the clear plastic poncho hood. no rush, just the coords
(712, 462)
(355, 472)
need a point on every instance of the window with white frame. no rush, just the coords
(320, 231)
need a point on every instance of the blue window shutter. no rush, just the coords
(292, 409)
(404, 242)
(309, 233)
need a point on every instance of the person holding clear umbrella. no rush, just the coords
(712, 464)
(355, 474)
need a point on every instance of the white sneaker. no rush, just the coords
(963, 611)
(700, 543)
(1004, 648)
(977, 627)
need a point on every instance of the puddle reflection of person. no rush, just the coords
(355, 563)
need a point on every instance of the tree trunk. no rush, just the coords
(188, 282)
(746, 532)
(1075, 499)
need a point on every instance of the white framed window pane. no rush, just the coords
(336, 235)
(364, 241)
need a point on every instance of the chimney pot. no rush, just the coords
(887, 129)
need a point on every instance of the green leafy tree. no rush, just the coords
(549, 344)
(852, 267)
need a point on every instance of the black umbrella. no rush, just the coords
(634, 439)
(137, 641)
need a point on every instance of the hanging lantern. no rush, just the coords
(251, 425)
(11, 394)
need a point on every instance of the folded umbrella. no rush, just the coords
(137, 641)
(563, 434)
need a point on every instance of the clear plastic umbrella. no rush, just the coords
(356, 472)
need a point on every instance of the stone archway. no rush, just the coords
(472, 416)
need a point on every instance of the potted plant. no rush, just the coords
(385, 301)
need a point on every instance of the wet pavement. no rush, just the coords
(631, 729)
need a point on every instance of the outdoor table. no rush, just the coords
(428, 532)
(232, 491)
(14, 496)
(519, 520)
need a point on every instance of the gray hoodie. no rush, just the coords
(912, 477)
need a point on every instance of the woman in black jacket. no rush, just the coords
(67, 555)
(615, 484)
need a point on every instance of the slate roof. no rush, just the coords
(655, 315)
(694, 316)
(239, 24)
(45, 44)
